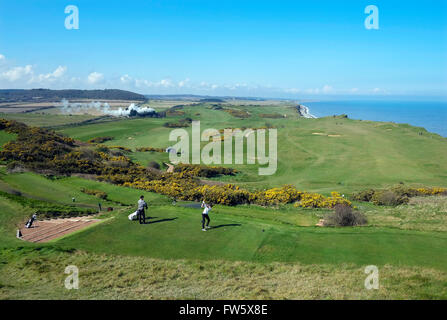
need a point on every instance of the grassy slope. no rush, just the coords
(245, 233)
(175, 234)
(46, 120)
(11, 214)
(325, 269)
(422, 213)
(64, 189)
(366, 154)
(39, 274)
(312, 262)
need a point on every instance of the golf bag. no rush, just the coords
(133, 216)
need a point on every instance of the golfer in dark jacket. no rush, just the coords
(141, 206)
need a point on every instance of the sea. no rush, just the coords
(431, 115)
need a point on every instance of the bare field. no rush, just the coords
(166, 104)
(52, 106)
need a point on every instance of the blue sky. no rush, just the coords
(252, 48)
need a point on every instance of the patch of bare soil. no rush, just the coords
(170, 167)
(44, 231)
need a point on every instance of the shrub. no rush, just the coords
(175, 125)
(388, 198)
(271, 115)
(198, 170)
(365, 195)
(238, 113)
(116, 153)
(154, 165)
(150, 149)
(120, 148)
(345, 216)
(15, 167)
(100, 139)
(97, 193)
(316, 200)
(275, 196)
(396, 195)
(174, 111)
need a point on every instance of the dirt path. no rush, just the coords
(170, 167)
(43, 231)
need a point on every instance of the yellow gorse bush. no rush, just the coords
(316, 200)
(41, 149)
(183, 187)
(431, 191)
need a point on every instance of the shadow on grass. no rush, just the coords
(226, 225)
(157, 221)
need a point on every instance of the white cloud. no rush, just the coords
(327, 89)
(292, 90)
(126, 79)
(27, 77)
(183, 83)
(17, 73)
(312, 91)
(59, 72)
(48, 77)
(95, 77)
(165, 83)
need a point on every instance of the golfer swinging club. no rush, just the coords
(206, 210)
(141, 206)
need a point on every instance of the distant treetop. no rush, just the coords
(10, 95)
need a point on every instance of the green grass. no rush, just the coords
(38, 273)
(131, 133)
(62, 190)
(422, 213)
(5, 137)
(46, 120)
(11, 214)
(175, 234)
(144, 158)
(254, 252)
(362, 154)
(119, 259)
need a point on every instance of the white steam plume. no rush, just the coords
(104, 108)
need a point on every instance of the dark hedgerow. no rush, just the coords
(198, 170)
(100, 139)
